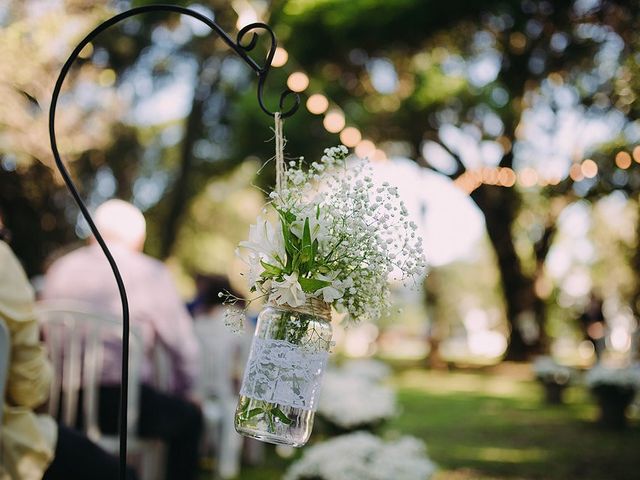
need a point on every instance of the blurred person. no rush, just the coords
(209, 319)
(158, 313)
(593, 324)
(32, 446)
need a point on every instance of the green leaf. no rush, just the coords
(286, 216)
(255, 411)
(280, 414)
(306, 253)
(270, 270)
(306, 234)
(314, 253)
(311, 285)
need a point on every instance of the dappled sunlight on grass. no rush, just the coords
(446, 383)
(506, 455)
(481, 425)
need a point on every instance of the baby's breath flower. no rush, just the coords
(344, 236)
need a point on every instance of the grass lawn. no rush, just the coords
(492, 425)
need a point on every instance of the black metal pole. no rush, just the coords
(262, 72)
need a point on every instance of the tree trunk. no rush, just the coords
(29, 211)
(500, 206)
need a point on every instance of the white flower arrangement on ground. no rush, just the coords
(625, 378)
(363, 456)
(350, 402)
(338, 238)
(370, 369)
(547, 370)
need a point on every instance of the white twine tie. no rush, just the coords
(280, 166)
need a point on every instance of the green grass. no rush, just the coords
(493, 425)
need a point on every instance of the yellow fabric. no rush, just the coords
(27, 440)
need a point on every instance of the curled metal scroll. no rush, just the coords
(238, 46)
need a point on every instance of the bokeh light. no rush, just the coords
(298, 81)
(623, 160)
(334, 121)
(589, 168)
(317, 103)
(280, 57)
(528, 177)
(365, 148)
(350, 136)
(575, 172)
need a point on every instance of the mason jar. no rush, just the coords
(281, 385)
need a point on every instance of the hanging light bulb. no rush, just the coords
(350, 136)
(334, 121)
(298, 81)
(317, 103)
(280, 57)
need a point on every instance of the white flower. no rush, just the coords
(351, 401)
(546, 369)
(255, 268)
(364, 456)
(267, 241)
(364, 234)
(234, 319)
(336, 290)
(628, 377)
(317, 227)
(288, 291)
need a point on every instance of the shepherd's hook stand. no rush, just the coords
(262, 71)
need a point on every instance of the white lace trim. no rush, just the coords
(280, 372)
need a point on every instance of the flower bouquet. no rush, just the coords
(351, 402)
(333, 241)
(363, 456)
(614, 389)
(555, 378)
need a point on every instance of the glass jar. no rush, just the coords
(281, 385)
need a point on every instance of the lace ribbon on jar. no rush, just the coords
(284, 373)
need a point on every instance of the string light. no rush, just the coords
(528, 177)
(507, 177)
(379, 155)
(317, 103)
(589, 168)
(554, 180)
(334, 121)
(623, 160)
(298, 82)
(280, 57)
(365, 148)
(575, 172)
(350, 136)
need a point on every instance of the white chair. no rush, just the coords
(75, 337)
(221, 353)
(5, 350)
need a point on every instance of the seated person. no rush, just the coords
(158, 313)
(33, 447)
(223, 352)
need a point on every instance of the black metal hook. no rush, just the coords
(262, 72)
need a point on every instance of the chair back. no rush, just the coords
(223, 355)
(76, 337)
(5, 356)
